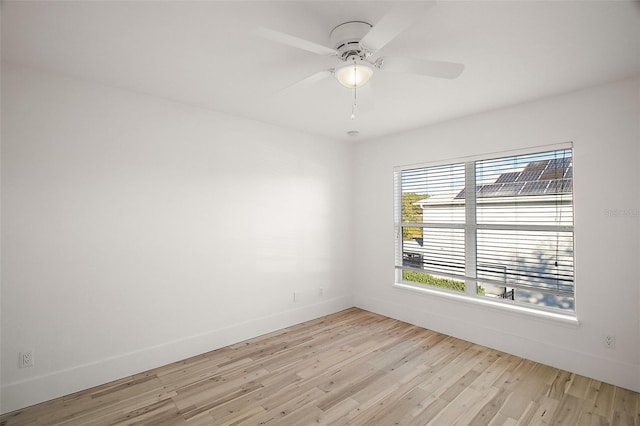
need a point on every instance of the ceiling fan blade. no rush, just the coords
(293, 41)
(309, 81)
(393, 23)
(438, 69)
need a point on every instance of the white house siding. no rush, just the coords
(503, 256)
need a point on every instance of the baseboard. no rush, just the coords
(17, 395)
(617, 373)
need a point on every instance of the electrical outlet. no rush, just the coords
(25, 359)
(609, 341)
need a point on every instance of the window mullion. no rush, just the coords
(470, 228)
(397, 219)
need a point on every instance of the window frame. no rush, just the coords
(471, 227)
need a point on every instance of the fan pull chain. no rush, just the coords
(353, 106)
(355, 92)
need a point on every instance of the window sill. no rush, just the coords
(566, 320)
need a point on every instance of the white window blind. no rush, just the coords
(512, 236)
(432, 225)
(524, 213)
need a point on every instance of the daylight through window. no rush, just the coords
(510, 239)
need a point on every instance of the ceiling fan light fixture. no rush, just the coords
(353, 73)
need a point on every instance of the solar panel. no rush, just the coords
(462, 193)
(529, 176)
(559, 163)
(508, 177)
(560, 186)
(490, 190)
(569, 173)
(549, 174)
(510, 189)
(536, 165)
(532, 188)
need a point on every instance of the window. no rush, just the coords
(510, 239)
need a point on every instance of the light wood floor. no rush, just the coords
(352, 367)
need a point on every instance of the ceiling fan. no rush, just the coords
(355, 44)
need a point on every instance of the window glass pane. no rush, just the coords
(436, 250)
(524, 246)
(527, 261)
(528, 189)
(433, 194)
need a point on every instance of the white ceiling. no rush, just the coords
(203, 53)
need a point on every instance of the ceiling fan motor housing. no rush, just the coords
(346, 39)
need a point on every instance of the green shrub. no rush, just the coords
(424, 278)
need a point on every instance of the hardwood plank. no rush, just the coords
(604, 401)
(337, 414)
(529, 413)
(579, 386)
(466, 403)
(590, 419)
(404, 409)
(241, 416)
(491, 408)
(568, 411)
(286, 406)
(537, 385)
(238, 409)
(427, 411)
(560, 384)
(625, 407)
(545, 411)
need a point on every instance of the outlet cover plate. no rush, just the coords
(25, 359)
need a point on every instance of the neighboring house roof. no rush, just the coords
(538, 178)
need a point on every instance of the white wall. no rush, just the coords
(137, 231)
(603, 124)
